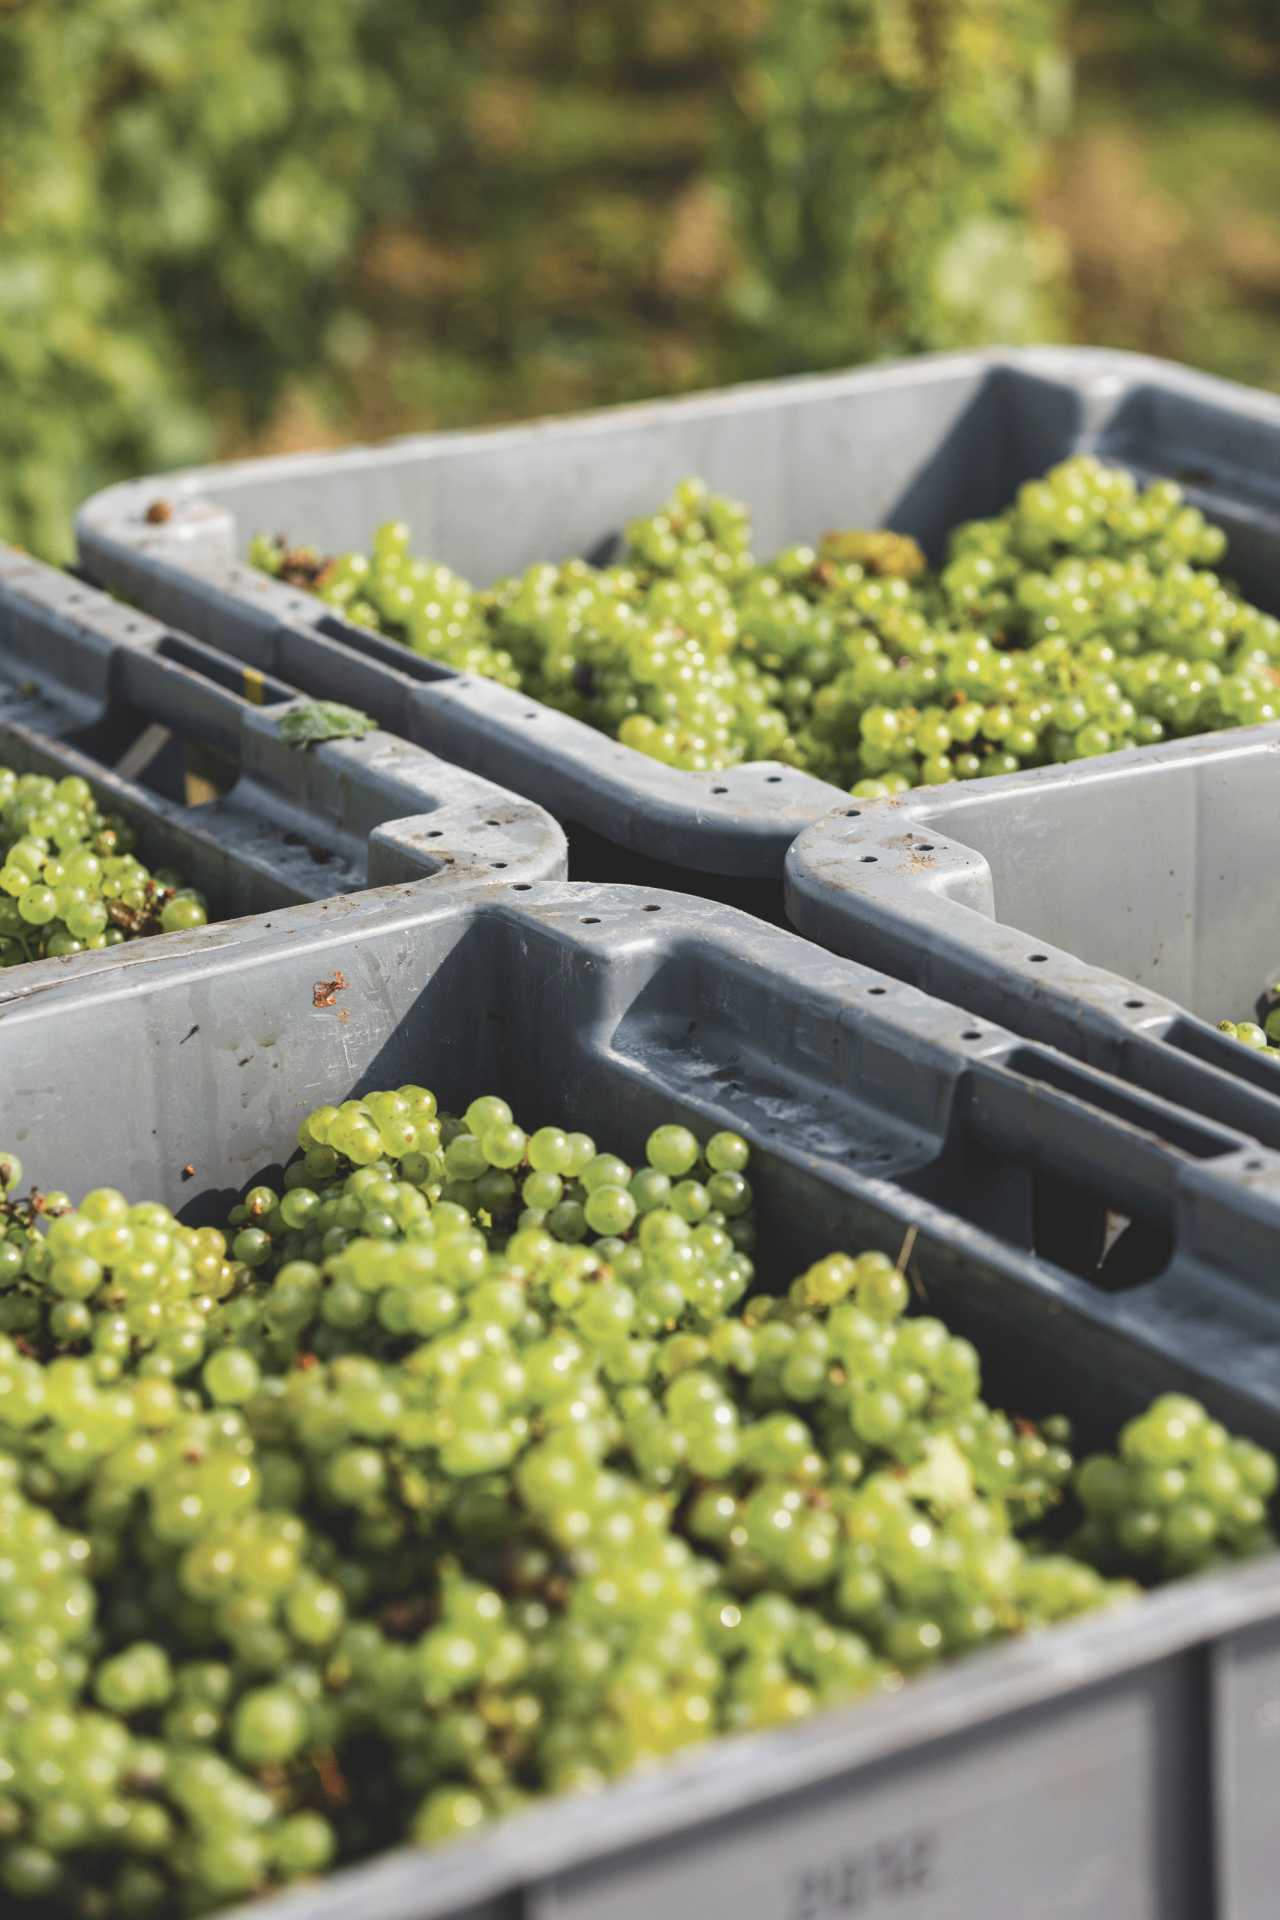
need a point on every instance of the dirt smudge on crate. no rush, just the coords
(325, 992)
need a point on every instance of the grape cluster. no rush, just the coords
(113, 1282)
(1179, 1490)
(471, 1464)
(1264, 1037)
(69, 880)
(1085, 618)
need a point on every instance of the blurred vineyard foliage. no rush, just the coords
(229, 223)
(225, 217)
(1167, 191)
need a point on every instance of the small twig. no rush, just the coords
(904, 1255)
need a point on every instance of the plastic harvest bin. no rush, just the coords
(920, 446)
(92, 688)
(1115, 908)
(1124, 1765)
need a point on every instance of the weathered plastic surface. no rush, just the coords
(1116, 908)
(1126, 1766)
(91, 687)
(919, 445)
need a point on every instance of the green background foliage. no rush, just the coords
(263, 223)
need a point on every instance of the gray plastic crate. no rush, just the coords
(1124, 1766)
(90, 687)
(1115, 908)
(919, 445)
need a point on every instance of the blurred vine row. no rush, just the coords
(261, 222)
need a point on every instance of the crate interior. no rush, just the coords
(919, 449)
(1156, 871)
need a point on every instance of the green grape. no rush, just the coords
(230, 1376)
(672, 1150)
(269, 1725)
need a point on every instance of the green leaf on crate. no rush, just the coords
(315, 721)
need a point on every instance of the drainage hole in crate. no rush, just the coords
(971, 1033)
(522, 886)
(499, 866)
(1254, 1166)
(924, 846)
(1135, 1252)
(868, 860)
(436, 833)
(1037, 956)
(590, 920)
(877, 989)
(719, 789)
(773, 779)
(853, 813)
(653, 909)
(1068, 1226)
(493, 823)
(1135, 1003)
(532, 714)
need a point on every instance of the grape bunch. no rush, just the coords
(1264, 1037)
(1178, 1489)
(69, 880)
(1085, 618)
(471, 1464)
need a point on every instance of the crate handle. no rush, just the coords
(190, 687)
(1077, 1124)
